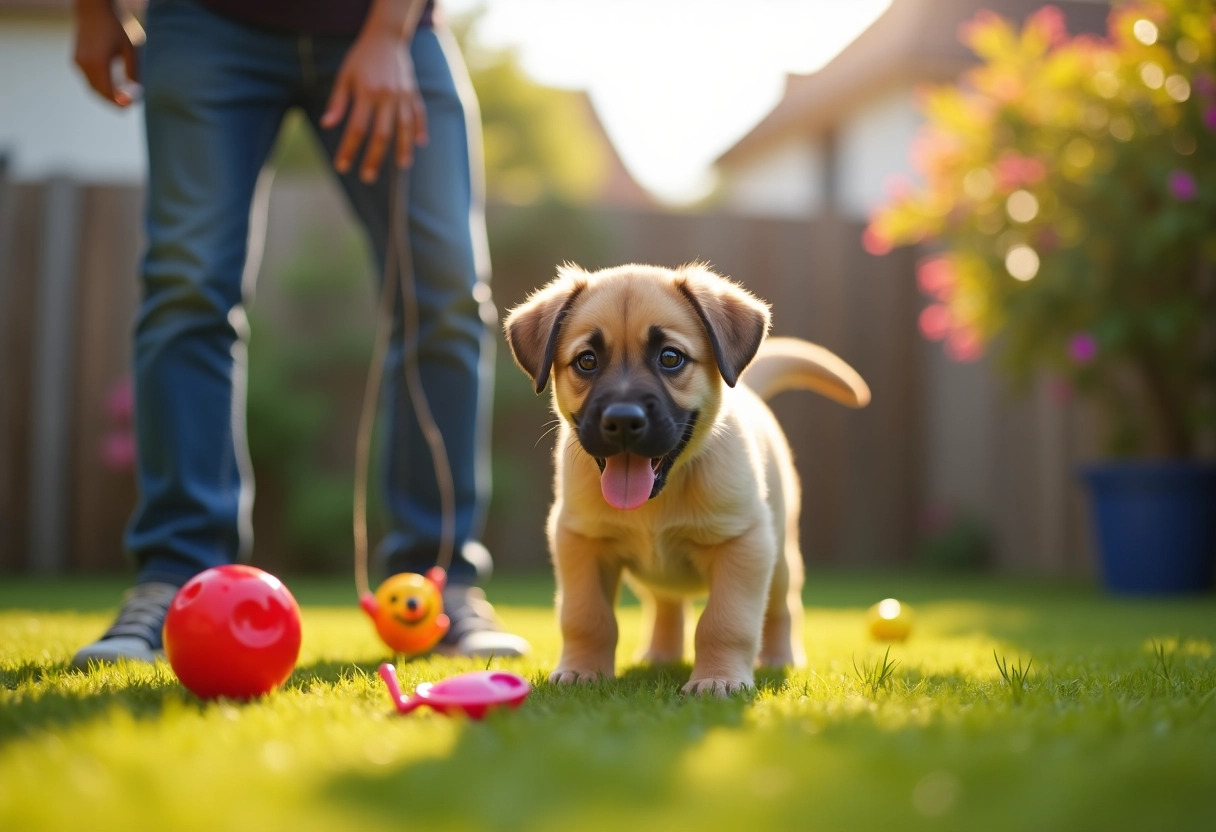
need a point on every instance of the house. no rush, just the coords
(838, 136)
(618, 188)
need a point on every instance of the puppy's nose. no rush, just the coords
(623, 423)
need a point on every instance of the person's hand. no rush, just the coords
(376, 85)
(100, 40)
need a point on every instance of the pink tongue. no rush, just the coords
(627, 480)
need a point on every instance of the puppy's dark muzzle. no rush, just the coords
(623, 424)
(633, 425)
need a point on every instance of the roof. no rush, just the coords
(619, 188)
(913, 40)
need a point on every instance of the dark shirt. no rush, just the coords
(304, 17)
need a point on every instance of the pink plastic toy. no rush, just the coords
(473, 694)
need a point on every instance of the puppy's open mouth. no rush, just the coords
(628, 480)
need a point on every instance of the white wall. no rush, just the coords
(785, 182)
(51, 123)
(872, 147)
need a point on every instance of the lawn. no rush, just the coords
(1112, 727)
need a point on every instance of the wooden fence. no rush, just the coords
(939, 440)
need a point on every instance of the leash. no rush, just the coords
(399, 273)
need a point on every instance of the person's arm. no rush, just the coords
(376, 85)
(100, 39)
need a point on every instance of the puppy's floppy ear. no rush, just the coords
(735, 319)
(533, 326)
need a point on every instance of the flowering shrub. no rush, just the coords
(1068, 194)
(118, 446)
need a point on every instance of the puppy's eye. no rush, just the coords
(587, 362)
(671, 359)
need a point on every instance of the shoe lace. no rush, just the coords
(143, 613)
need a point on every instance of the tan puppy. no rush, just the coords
(667, 469)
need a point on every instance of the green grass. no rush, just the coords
(1013, 706)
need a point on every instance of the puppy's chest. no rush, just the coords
(665, 558)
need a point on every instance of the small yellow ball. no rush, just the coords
(890, 620)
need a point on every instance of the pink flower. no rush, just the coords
(120, 400)
(936, 277)
(898, 187)
(1083, 348)
(964, 345)
(1015, 171)
(118, 450)
(875, 242)
(1050, 22)
(932, 152)
(1182, 186)
(934, 322)
(1209, 118)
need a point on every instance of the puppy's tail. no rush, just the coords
(793, 364)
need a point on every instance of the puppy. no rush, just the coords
(670, 468)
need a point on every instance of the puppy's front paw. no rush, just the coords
(715, 686)
(570, 676)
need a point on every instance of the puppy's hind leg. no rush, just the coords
(781, 638)
(666, 619)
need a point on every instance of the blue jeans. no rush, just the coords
(216, 92)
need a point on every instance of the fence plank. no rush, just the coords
(8, 371)
(54, 377)
(108, 299)
(16, 349)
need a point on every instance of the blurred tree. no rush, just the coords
(540, 143)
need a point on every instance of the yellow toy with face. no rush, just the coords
(407, 610)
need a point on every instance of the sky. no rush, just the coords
(675, 82)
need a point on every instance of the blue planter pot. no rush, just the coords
(1155, 524)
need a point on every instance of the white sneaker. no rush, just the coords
(135, 634)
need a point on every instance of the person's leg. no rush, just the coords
(215, 94)
(450, 263)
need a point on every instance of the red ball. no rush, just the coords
(232, 631)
